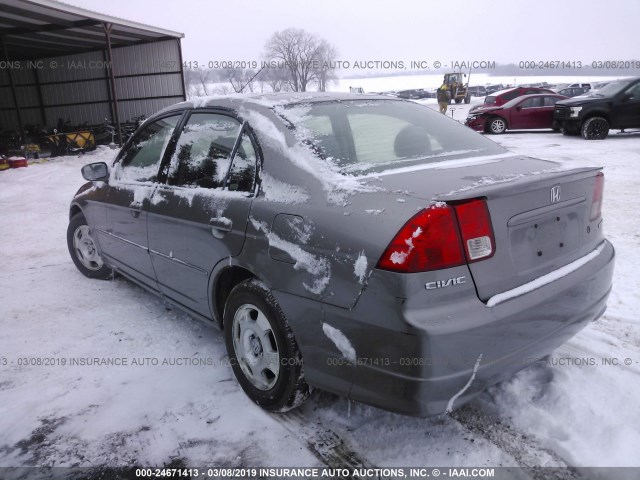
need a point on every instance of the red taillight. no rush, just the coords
(475, 227)
(441, 236)
(596, 204)
(428, 241)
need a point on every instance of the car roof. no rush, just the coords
(270, 100)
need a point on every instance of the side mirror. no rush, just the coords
(518, 108)
(95, 172)
(626, 97)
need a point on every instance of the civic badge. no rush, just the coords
(555, 194)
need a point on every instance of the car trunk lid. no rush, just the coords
(540, 214)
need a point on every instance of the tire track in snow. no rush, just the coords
(323, 442)
(525, 450)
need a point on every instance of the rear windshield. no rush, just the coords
(363, 137)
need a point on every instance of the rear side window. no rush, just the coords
(242, 174)
(203, 151)
(550, 101)
(361, 137)
(511, 95)
(532, 102)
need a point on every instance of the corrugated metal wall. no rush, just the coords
(76, 87)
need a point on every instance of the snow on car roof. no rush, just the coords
(500, 92)
(271, 100)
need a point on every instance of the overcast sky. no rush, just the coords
(499, 30)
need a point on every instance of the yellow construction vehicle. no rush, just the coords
(457, 86)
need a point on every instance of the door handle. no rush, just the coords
(220, 226)
(135, 213)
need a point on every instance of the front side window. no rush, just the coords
(633, 92)
(203, 152)
(550, 101)
(141, 160)
(532, 102)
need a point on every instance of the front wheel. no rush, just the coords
(262, 350)
(497, 125)
(595, 128)
(83, 250)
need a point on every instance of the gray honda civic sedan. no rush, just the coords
(363, 245)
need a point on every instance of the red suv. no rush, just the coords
(503, 96)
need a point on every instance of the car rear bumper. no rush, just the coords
(436, 357)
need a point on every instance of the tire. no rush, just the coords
(254, 324)
(467, 99)
(595, 128)
(458, 100)
(83, 251)
(497, 125)
(556, 130)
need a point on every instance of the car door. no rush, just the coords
(627, 108)
(199, 216)
(123, 242)
(520, 115)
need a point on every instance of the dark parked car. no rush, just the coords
(616, 105)
(339, 243)
(503, 96)
(478, 91)
(415, 94)
(573, 91)
(525, 112)
(494, 88)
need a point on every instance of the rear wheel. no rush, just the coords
(595, 128)
(83, 250)
(458, 100)
(497, 125)
(467, 99)
(262, 350)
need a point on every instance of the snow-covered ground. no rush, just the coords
(188, 408)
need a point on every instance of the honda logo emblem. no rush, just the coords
(555, 194)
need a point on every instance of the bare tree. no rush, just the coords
(239, 78)
(276, 78)
(197, 80)
(325, 65)
(298, 52)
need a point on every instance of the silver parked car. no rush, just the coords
(360, 244)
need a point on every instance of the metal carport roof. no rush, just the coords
(36, 29)
(45, 28)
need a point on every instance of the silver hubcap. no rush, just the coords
(497, 126)
(85, 248)
(255, 347)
